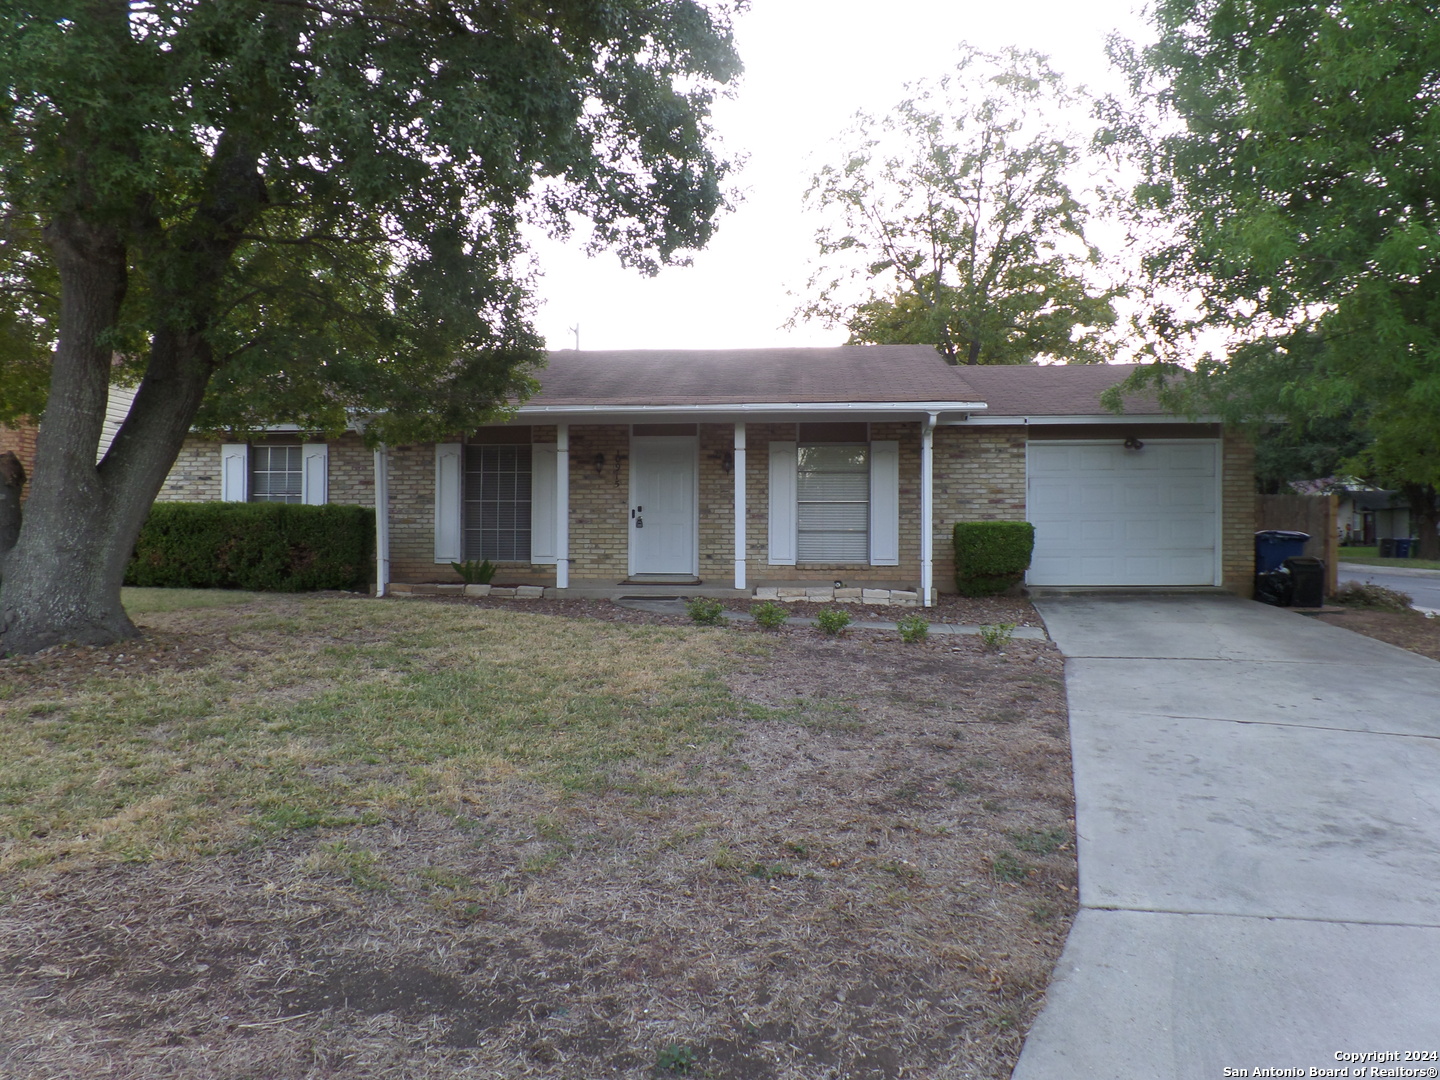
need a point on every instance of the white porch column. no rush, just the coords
(927, 510)
(562, 506)
(740, 504)
(382, 520)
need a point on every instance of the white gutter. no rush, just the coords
(927, 510)
(1086, 418)
(382, 520)
(756, 407)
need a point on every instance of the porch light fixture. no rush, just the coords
(599, 464)
(726, 458)
(1133, 443)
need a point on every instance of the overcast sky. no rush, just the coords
(810, 64)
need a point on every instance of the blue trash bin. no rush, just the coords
(1274, 546)
(1403, 547)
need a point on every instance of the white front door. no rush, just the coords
(1105, 515)
(663, 510)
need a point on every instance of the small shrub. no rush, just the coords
(991, 556)
(770, 615)
(833, 620)
(996, 637)
(913, 629)
(1376, 597)
(675, 1058)
(705, 611)
(474, 573)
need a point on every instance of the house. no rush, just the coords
(20, 439)
(1365, 514)
(767, 468)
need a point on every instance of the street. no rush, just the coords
(1422, 586)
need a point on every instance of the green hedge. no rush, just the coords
(991, 556)
(265, 546)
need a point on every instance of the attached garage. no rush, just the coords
(1105, 514)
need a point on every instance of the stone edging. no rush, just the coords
(829, 594)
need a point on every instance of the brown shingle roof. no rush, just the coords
(850, 373)
(1054, 389)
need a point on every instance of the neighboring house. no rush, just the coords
(1365, 514)
(782, 467)
(20, 439)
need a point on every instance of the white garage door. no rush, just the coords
(1104, 515)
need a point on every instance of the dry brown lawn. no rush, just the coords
(330, 837)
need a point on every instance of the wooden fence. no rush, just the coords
(1313, 514)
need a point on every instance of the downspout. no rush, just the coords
(382, 520)
(740, 541)
(927, 509)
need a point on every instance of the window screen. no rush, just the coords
(497, 503)
(275, 473)
(833, 497)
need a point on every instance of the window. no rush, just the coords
(832, 503)
(276, 473)
(498, 495)
(834, 498)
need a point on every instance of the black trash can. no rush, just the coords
(1307, 575)
(1274, 546)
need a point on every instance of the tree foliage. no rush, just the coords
(307, 210)
(1290, 183)
(383, 156)
(956, 216)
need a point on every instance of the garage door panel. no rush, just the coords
(1091, 531)
(1109, 516)
(1092, 459)
(1196, 459)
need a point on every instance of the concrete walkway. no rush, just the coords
(1258, 809)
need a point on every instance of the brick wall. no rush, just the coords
(20, 441)
(195, 476)
(1237, 523)
(717, 504)
(599, 503)
(979, 476)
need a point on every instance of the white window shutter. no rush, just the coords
(782, 503)
(234, 472)
(884, 504)
(542, 503)
(448, 478)
(315, 474)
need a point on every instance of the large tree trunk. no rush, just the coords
(82, 520)
(53, 590)
(1423, 508)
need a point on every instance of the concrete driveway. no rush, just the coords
(1258, 809)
